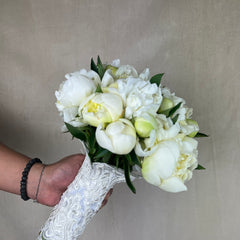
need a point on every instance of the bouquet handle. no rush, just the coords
(81, 201)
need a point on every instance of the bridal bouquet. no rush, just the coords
(131, 126)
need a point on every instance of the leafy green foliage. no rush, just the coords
(107, 156)
(76, 132)
(99, 68)
(174, 119)
(127, 161)
(93, 66)
(174, 109)
(157, 79)
(100, 153)
(99, 89)
(85, 134)
(200, 135)
(199, 167)
(135, 159)
(169, 112)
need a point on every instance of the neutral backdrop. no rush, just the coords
(197, 45)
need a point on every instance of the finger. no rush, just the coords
(109, 193)
(104, 202)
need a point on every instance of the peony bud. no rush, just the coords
(145, 124)
(113, 69)
(119, 137)
(194, 125)
(165, 105)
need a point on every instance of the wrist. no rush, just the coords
(33, 179)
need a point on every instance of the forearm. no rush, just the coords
(55, 179)
(12, 165)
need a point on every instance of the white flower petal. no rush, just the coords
(172, 132)
(150, 173)
(107, 79)
(69, 114)
(125, 71)
(189, 145)
(74, 90)
(102, 139)
(163, 160)
(173, 184)
(116, 63)
(119, 137)
(145, 74)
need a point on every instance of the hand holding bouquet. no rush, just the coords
(131, 126)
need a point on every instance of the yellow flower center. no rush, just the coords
(182, 169)
(93, 107)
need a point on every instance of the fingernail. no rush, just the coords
(104, 202)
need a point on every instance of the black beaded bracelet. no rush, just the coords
(23, 183)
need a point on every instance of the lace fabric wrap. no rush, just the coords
(81, 201)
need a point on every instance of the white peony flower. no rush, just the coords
(101, 108)
(89, 74)
(119, 137)
(171, 164)
(139, 96)
(126, 71)
(73, 91)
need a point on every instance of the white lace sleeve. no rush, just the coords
(81, 201)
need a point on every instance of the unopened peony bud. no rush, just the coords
(119, 137)
(165, 105)
(194, 124)
(144, 125)
(113, 69)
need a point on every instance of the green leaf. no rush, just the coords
(199, 167)
(157, 79)
(99, 62)
(101, 153)
(135, 158)
(76, 132)
(117, 160)
(127, 173)
(107, 157)
(99, 89)
(100, 67)
(201, 135)
(93, 66)
(169, 112)
(174, 109)
(174, 120)
(91, 140)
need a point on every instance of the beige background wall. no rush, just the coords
(195, 42)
